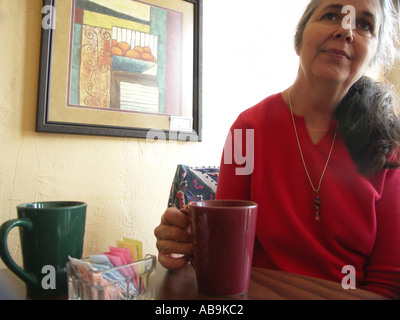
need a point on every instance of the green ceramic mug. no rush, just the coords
(49, 233)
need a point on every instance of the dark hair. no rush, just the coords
(370, 124)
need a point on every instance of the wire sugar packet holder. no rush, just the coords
(112, 275)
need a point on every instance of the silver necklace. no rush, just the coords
(317, 200)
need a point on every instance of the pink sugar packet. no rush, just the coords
(115, 259)
(125, 252)
(118, 259)
(125, 256)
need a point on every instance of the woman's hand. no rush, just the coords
(174, 238)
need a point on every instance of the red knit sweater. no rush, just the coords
(359, 218)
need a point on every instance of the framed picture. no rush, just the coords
(124, 68)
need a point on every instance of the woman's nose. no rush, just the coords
(344, 33)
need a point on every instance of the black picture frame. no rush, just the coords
(44, 123)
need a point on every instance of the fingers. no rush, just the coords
(173, 216)
(168, 232)
(173, 238)
(173, 226)
(169, 253)
(170, 246)
(172, 263)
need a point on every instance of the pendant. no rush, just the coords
(317, 205)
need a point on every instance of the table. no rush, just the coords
(265, 284)
(181, 285)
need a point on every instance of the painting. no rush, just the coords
(122, 68)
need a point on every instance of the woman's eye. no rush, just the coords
(330, 16)
(365, 26)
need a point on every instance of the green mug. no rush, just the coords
(49, 233)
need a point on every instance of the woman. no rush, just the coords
(325, 158)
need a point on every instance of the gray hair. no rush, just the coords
(388, 49)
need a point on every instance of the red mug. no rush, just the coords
(223, 241)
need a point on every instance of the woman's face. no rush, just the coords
(332, 50)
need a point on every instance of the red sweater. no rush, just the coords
(360, 216)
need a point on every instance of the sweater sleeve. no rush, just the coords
(383, 270)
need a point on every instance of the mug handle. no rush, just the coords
(186, 212)
(5, 254)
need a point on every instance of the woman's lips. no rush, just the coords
(338, 53)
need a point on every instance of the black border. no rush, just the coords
(44, 125)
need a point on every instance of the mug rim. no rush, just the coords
(220, 203)
(51, 205)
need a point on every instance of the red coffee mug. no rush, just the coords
(223, 241)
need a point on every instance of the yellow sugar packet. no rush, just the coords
(138, 246)
(130, 247)
(134, 246)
